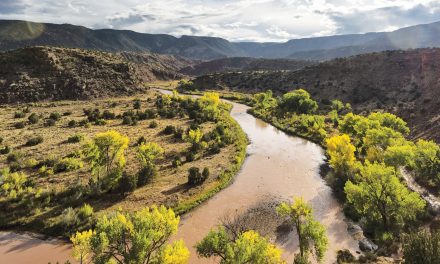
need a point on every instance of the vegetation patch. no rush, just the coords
(85, 168)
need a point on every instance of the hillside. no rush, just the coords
(17, 34)
(402, 82)
(244, 64)
(42, 73)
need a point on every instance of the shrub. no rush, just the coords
(1, 140)
(150, 113)
(422, 248)
(169, 129)
(178, 133)
(141, 140)
(100, 122)
(5, 150)
(146, 175)
(177, 162)
(14, 157)
(19, 114)
(49, 162)
(190, 156)
(84, 123)
(345, 256)
(195, 177)
(69, 217)
(72, 123)
(85, 211)
(127, 120)
(108, 115)
(19, 125)
(127, 183)
(45, 171)
(33, 118)
(13, 183)
(49, 122)
(153, 124)
(205, 172)
(137, 104)
(75, 138)
(55, 116)
(31, 163)
(14, 166)
(34, 141)
(92, 115)
(68, 164)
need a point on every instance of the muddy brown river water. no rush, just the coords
(278, 166)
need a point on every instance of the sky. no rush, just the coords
(235, 20)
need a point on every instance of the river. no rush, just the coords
(277, 165)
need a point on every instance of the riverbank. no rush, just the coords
(24, 248)
(278, 167)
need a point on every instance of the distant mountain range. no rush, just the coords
(16, 34)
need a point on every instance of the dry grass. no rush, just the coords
(168, 188)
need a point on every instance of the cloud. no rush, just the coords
(386, 18)
(12, 6)
(236, 20)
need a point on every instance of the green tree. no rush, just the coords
(381, 137)
(139, 238)
(298, 101)
(185, 85)
(148, 153)
(427, 159)
(209, 104)
(341, 153)
(106, 152)
(337, 105)
(312, 235)
(195, 138)
(264, 100)
(422, 248)
(377, 194)
(391, 121)
(400, 155)
(248, 247)
(356, 126)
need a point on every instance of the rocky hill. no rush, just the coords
(17, 34)
(244, 64)
(403, 82)
(45, 73)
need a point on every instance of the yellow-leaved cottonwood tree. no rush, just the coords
(312, 235)
(105, 153)
(248, 247)
(128, 238)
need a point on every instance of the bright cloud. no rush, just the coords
(236, 20)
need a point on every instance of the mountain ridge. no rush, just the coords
(17, 33)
